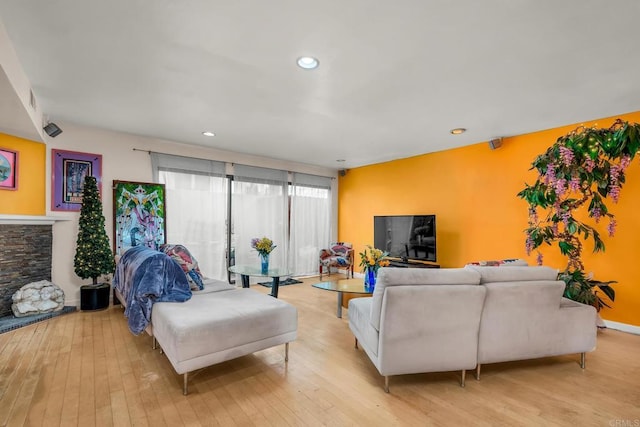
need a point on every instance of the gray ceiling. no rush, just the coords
(394, 77)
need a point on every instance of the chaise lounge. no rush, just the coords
(216, 324)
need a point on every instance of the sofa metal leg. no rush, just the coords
(154, 344)
(185, 377)
(356, 342)
(386, 384)
(582, 357)
(478, 372)
(464, 374)
(286, 352)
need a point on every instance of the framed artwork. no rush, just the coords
(139, 210)
(8, 169)
(68, 170)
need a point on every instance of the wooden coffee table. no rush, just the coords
(349, 286)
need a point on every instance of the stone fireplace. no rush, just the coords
(25, 256)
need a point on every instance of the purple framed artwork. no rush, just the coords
(8, 169)
(68, 170)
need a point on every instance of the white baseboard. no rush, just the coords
(632, 329)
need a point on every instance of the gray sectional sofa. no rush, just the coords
(437, 320)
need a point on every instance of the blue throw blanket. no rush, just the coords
(145, 276)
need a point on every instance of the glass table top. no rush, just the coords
(250, 270)
(352, 286)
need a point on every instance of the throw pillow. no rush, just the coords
(189, 265)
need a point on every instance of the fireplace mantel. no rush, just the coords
(31, 219)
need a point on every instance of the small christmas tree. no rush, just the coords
(93, 252)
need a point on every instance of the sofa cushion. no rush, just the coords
(526, 320)
(513, 274)
(213, 285)
(417, 277)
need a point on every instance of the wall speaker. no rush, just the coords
(342, 172)
(495, 143)
(52, 130)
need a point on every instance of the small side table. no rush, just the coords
(348, 286)
(94, 298)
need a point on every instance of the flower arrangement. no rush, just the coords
(264, 246)
(576, 176)
(372, 259)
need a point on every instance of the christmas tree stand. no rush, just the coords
(94, 297)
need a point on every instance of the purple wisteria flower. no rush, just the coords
(614, 192)
(566, 155)
(560, 186)
(589, 164)
(550, 175)
(614, 174)
(611, 228)
(574, 184)
(596, 213)
(539, 258)
(529, 244)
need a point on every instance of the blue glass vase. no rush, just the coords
(369, 279)
(264, 263)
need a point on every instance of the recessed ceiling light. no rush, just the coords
(340, 160)
(208, 134)
(308, 62)
(458, 131)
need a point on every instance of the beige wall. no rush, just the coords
(121, 162)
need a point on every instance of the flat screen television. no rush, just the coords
(406, 237)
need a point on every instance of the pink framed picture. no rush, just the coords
(8, 169)
(68, 170)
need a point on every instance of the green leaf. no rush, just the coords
(565, 247)
(608, 290)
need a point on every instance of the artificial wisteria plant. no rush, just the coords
(576, 175)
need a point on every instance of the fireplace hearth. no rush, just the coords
(25, 257)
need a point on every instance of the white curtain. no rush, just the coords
(259, 205)
(310, 222)
(197, 201)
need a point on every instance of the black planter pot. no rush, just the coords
(94, 297)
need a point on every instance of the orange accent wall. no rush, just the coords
(472, 190)
(29, 198)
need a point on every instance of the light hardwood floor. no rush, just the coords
(88, 369)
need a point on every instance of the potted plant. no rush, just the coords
(93, 253)
(576, 176)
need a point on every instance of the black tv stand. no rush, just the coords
(412, 263)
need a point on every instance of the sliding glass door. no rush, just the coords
(259, 209)
(260, 202)
(310, 222)
(197, 200)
